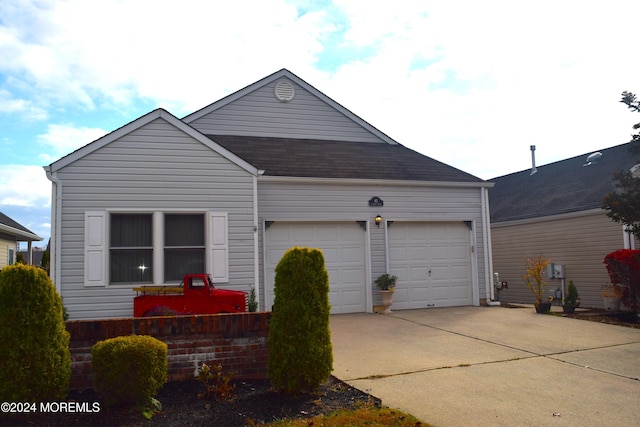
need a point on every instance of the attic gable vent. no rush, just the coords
(284, 91)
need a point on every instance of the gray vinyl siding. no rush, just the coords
(580, 242)
(259, 113)
(298, 201)
(156, 167)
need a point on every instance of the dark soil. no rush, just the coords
(621, 318)
(254, 403)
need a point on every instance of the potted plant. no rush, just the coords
(386, 282)
(534, 278)
(571, 300)
(611, 296)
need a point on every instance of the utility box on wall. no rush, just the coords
(555, 271)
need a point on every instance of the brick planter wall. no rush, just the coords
(237, 341)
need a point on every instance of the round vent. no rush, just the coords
(284, 91)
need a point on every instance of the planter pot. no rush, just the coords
(387, 300)
(611, 303)
(543, 307)
(568, 309)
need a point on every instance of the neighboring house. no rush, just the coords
(556, 213)
(11, 234)
(230, 187)
(36, 256)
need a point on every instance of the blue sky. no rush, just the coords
(472, 84)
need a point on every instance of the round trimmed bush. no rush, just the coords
(129, 369)
(300, 351)
(35, 362)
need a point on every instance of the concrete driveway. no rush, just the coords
(492, 366)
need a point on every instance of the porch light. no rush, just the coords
(378, 220)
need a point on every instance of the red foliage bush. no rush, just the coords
(623, 267)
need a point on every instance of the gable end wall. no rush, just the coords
(156, 167)
(259, 113)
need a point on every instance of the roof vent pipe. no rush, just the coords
(533, 160)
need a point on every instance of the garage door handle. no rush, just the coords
(429, 273)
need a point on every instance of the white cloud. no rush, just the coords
(24, 186)
(60, 140)
(469, 83)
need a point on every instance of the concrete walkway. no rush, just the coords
(492, 366)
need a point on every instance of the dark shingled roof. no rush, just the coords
(5, 220)
(339, 159)
(560, 187)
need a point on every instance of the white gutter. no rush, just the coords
(56, 225)
(20, 234)
(349, 181)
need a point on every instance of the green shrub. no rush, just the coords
(129, 369)
(571, 298)
(300, 352)
(35, 362)
(253, 302)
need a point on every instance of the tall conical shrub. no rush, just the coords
(300, 352)
(35, 362)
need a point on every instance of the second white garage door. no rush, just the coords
(343, 247)
(433, 263)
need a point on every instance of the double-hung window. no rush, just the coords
(184, 246)
(131, 250)
(155, 247)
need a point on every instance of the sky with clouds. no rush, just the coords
(469, 83)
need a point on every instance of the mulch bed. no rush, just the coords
(254, 403)
(620, 318)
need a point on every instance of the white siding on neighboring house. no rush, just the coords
(154, 169)
(326, 200)
(579, 241)
(260, 114)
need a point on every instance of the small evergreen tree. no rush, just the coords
(35, 359)
(300, 352)
(623, 204)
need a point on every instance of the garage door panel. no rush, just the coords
(416, 274)
(433, 264)
(342, 245)
(420, 294)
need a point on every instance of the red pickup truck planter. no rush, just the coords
(195, 295)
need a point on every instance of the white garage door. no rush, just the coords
(343, 247)
(433, 263)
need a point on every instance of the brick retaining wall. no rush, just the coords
(237, 341)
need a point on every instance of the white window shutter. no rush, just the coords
(95, 248)
(218, 247)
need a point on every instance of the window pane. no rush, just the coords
(131, 265)
(130, 230)
(178, 262)
(184, 230)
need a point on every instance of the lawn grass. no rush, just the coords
(368, 415)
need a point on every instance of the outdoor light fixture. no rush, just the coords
(378, 220)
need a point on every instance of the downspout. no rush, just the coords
(256, 258)
(486, 238)
(56, 225)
